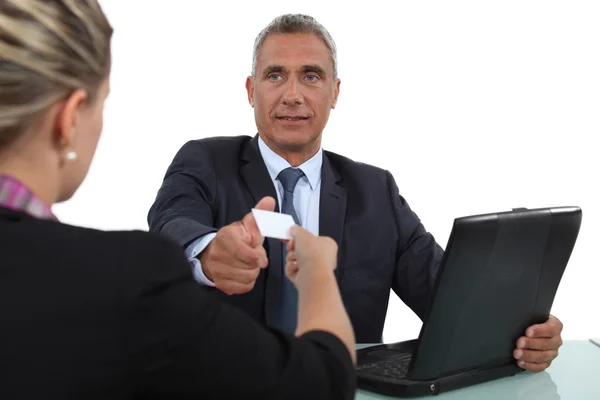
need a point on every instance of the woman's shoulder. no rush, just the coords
(95, 246)
(126, 243)
(128, 240)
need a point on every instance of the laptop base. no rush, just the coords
(407, 387)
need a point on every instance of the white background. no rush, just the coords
(474, 106)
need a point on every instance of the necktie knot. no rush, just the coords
(289, 177)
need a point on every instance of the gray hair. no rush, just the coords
(295, 23)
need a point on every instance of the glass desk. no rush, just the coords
(574, 375)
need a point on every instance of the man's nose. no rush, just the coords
(293, 93)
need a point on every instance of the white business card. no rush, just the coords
(273, 224)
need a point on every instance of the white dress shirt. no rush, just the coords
(306, 201)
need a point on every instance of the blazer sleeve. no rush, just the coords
(184, 342)
(183, 209)
(418, 255)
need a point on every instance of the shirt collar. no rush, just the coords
(275, 164)
(18, 197)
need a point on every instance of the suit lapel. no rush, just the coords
(332, 207)
(256, 176)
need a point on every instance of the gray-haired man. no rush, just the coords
(212, 183)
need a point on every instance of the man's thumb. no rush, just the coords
(266, 204)
(249, 223)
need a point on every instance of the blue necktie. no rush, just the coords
(287, 314)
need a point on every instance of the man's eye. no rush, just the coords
(274, 77)
(312, 77)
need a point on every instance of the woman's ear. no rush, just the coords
(66, 124)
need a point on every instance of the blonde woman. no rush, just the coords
(90, 314)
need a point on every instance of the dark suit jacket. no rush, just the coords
(86, 314)
(382, 243)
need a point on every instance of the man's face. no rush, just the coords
(293, 91)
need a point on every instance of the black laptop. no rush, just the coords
(499, 275)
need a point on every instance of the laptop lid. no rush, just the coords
(499, 275)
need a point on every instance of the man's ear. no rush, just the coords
(66, 121)
(336, 93)
(250, 90)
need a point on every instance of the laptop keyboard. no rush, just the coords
(392, 367)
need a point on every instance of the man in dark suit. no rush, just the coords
(382, 244)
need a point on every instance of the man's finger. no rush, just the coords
(539, 343)
(535, 356)
(232, 236)
(241, 257)
(263, 261)
(238, 272)
(250, 257)
(534, 367)
(552, 327)
(233, 287)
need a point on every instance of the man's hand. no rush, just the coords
(234, 258)
(539, 347)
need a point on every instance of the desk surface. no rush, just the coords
(575, 374)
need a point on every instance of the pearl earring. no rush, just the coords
(71, 156)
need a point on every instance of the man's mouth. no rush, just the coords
(292, 118)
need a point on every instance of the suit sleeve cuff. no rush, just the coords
(192, 252)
